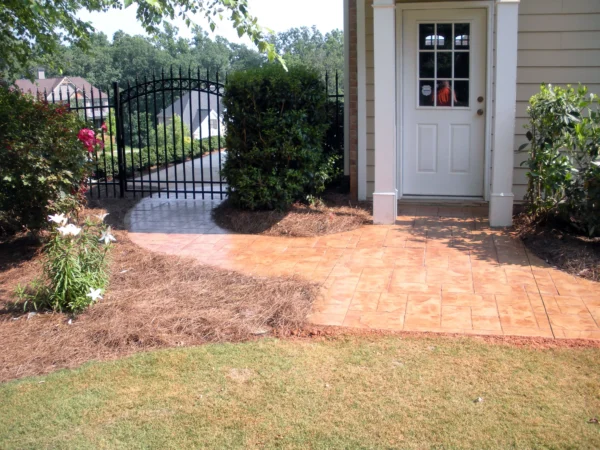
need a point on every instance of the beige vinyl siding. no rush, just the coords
(559, 43)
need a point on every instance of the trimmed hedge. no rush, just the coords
(276, 125)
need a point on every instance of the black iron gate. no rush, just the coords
(164, 135)
(170, 136)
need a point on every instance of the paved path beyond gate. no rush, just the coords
(439, 269)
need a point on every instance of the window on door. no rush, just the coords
(444, 65)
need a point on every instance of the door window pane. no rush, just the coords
(427, 65)
(461, 64)
(444, 93)
(426, 36)
(444, 65)
(444, 32)
(461, 89)
(462, 36)
(426, 95)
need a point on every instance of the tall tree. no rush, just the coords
(309, 46)
(30, 28)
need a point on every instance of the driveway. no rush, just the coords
(197, 175)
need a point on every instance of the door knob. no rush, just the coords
(480, 112)
(480, 99)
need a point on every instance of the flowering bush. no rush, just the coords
(43, 165)
(75, 266)
(89, 140)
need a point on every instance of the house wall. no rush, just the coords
(205, 126)
(559, 43)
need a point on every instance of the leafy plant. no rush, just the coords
(564, 142)
(42, 163)
(276, 127)
(334, 141)
(75, 266)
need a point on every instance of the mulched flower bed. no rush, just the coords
(559, 247)
(335, 214)
(153, 301)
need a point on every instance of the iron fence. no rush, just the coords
(164, 135)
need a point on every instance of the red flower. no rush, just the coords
(104, 127)
(88, 138)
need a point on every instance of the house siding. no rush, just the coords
(559, 43)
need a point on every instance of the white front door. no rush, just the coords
(443, 102)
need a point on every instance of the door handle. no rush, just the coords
(480, 112)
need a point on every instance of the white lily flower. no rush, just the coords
(102, 217)
(69, 230)
(107, 237)
(58, 218)
(95, 294)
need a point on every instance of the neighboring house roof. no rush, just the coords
(198, 99)
(60, 86)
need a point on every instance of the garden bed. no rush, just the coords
(570, 252)
(154, 301)
(335, 214)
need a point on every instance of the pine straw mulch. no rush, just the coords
(154, 301)
(572, 253)
(335, 214)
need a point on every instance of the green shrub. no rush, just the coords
(276, 125)
(75, 267)
(564, 142)
(42, 164)
(334, 141)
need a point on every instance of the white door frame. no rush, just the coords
(488, 5)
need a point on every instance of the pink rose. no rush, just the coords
(88, 138)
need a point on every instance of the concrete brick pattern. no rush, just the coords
(438, 269)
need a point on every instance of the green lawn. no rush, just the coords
(385, 392)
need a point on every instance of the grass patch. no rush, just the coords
(335, 214)
(345, 392)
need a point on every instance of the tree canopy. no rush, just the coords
(30, 29)
(126, 57)
(308, 46)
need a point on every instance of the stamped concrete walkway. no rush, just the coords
(439, 269)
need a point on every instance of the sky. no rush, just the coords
(278, 15)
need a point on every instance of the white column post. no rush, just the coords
(507, 34)
(385, 197)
